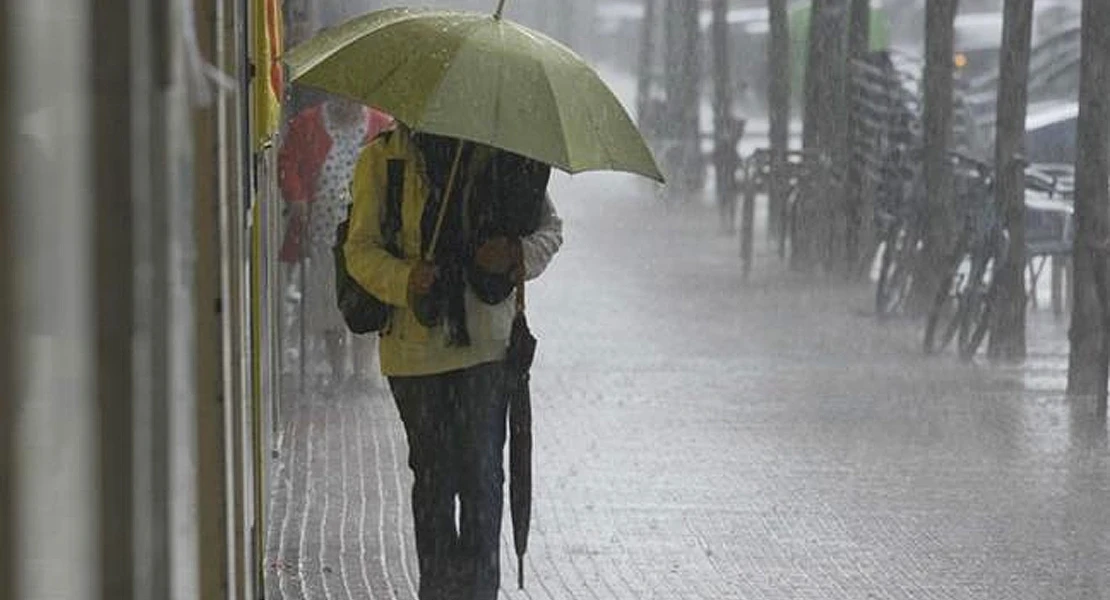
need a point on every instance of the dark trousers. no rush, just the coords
(455, 424)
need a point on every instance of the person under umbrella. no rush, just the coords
(476, 94)
(493, 225)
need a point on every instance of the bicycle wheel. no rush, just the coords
(949, 310)
(895, 272)
(980, 301)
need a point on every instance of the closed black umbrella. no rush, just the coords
(522, 349)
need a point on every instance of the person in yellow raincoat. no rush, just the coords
(446, 370)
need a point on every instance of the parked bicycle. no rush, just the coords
(961, 308)
(805, 175)
(900, 223)
(961, 311)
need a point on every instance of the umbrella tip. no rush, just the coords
(520, 572)
(500, 9)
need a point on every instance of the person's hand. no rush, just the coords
(498, 255)
(421, 278)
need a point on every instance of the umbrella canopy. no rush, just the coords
(479, 78)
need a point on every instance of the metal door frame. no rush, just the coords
(8, 393)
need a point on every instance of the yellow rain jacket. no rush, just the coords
(408, 348)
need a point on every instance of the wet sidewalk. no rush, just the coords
(697, 437)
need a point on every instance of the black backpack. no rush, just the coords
(362, 311)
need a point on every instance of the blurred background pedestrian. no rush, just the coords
(316, 160)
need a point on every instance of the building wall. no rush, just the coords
(60, 422)
(56, 557)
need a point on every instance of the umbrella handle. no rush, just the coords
(430, 255)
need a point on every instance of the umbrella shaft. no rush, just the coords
(431, 253)
(500, 8)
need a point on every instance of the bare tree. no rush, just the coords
(1090, 344)
(940, 19)
(1008, 319)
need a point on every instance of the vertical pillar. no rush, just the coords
(235, 246)
(211, 442)
(111, 124)
(151, 314)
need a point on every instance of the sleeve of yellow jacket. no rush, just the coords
(369, 263)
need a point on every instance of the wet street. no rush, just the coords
(698, 437)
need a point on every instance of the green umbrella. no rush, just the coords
(480, 78)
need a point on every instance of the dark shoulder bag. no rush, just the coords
(362, 311)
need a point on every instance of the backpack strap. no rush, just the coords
(395, 192)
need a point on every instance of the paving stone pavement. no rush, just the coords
(699, 437)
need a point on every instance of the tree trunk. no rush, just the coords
(646, 65)
(800, 229)
(812, 80)
(1090, 352)
(858, 208)
(859, 32)
(724, 146)
(694, 173)
(824, 80)
(778, 101)
(673, 80)
(833, 220)
(940, 16)
(683, 157)
(1008, 320)
(823, 130)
